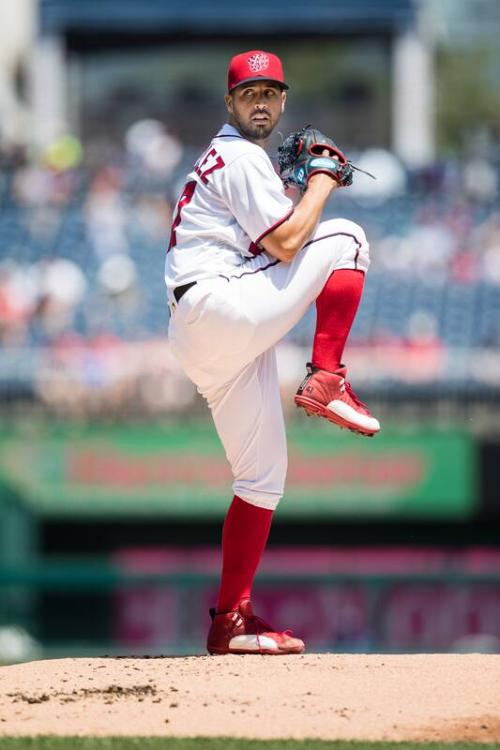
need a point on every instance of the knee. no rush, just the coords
(349, 243)
(357, 232)
(362, 247)
(266, 490)
(346, 228)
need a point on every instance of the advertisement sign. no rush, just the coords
(180, 471)
(359, 614)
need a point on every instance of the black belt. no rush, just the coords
(180, 291)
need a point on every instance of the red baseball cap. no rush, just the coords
(255, 65)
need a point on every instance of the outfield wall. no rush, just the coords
(385, 544)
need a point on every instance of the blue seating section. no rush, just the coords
(459, 314)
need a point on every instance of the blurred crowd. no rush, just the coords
(83, 238)
(82, 245)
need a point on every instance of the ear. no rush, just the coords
(283, 100)
(229, 103)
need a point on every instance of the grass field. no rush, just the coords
(220, 743)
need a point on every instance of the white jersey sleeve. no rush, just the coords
(254, 195)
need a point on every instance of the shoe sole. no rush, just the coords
(313, 409)
(261, 652)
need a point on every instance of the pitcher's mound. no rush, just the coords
(425, 697)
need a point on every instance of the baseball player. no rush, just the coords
(243, 265)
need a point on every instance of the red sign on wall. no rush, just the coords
(341, 615)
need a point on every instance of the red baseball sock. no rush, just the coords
(336, 307)
(244, 538)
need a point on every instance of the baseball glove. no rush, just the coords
(300, 156)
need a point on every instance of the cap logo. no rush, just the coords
(258, 62)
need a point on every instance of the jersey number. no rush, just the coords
(185, 198)
(211, 161)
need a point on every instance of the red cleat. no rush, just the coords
(242, 632)
(327, 394)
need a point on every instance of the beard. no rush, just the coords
(253, 131)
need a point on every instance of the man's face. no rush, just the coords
(255, 108)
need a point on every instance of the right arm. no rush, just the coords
(254, 194)
(286, 240)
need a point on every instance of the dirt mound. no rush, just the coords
(424, 697)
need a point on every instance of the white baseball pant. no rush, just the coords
(223, 332)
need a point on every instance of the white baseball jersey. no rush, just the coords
(231, 200)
